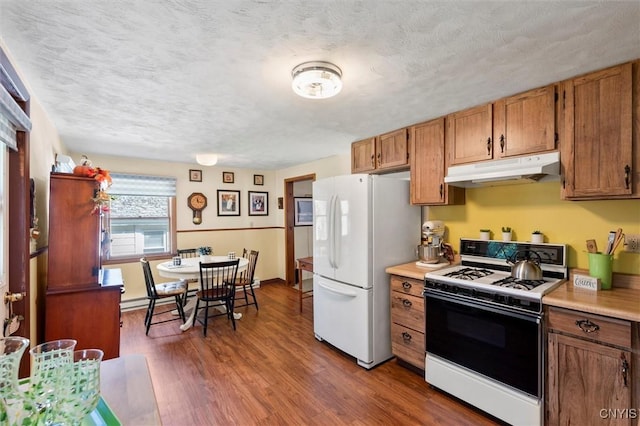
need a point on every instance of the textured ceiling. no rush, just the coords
(168, 79)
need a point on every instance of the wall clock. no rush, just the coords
(197, 201)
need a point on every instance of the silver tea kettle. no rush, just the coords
(526, 269)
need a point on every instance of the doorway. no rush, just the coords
(299, 186)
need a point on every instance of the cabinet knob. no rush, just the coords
(406, 336)
(587, 326)
(406, 303)
(406, 285)
(373, 160)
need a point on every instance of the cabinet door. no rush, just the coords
(597, 148)
(92, 317)
(392, 149)
(469, 135)
(585, 378)
(428, 163)
(74, 233)
(525, 123)
(363, 156)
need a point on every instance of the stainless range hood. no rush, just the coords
(532, 168)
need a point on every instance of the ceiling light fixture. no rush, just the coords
(316, 80)
(206, 159)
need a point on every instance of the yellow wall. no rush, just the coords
(527, 207)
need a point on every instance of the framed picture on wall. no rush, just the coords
(258, 203)
(228, 203)
(303, 211)
(227, 177)
(195, 175)
(258, 179)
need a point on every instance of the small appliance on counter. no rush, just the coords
(433, 252)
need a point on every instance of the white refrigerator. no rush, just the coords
(361, 225)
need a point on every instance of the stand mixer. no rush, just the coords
(432, 248)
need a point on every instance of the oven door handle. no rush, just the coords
(463, 306)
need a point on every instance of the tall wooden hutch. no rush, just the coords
(81, 303)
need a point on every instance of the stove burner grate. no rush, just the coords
(469, 273)
(516, 283)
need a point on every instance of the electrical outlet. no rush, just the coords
(632, 243)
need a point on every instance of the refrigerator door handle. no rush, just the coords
(330, 230)
(336, 291)
(337, 231)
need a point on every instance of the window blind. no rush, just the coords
(130, 184)
(12, 119)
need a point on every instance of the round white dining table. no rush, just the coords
(189, 269)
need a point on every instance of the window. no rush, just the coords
(141, 219)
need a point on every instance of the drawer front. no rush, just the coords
(407, 310)
(408, 345)
(590, 326)
(407, 285)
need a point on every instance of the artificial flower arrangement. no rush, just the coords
(102, 200)
(205, 251)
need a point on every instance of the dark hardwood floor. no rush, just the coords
(272, 370)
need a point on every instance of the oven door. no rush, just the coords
(502, 345)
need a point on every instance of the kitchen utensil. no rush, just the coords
(428, 253)
(592, 247)
(616, 240)
(526, 269)
(610, 240)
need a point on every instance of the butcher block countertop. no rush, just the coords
(622, 301)
(411, 270)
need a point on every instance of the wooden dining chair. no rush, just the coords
(217, 287)
(155, 292)
(186, 254)
(246, 279)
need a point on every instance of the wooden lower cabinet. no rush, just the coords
(590, 373)
(407, 320)
(90, 316)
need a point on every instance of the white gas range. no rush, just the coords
(484, 329)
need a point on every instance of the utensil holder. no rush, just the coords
(600, 266)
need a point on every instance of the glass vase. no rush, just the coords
(85, 386)
(16, 407)
(51, 376)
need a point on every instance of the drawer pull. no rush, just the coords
(407, 338)
(406, 285)
(625, 369)
(406, 303)
(587, 326)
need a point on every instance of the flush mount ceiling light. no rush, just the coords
(316, 80)
(206, 159)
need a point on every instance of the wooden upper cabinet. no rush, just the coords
(392, 149)
(387, 152)
(525, 123)
(597, 115)
(470, 135)
(363, 156)
(428, 165)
